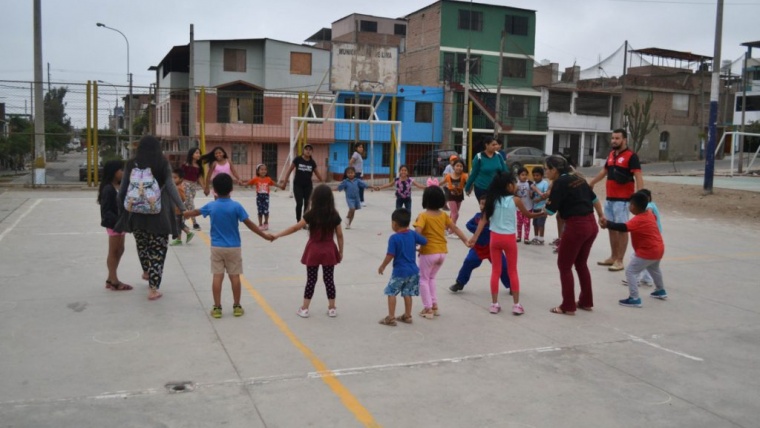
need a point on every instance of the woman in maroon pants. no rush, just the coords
(574, 200)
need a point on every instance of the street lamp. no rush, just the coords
(127, 106)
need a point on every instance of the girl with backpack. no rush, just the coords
(151, 230)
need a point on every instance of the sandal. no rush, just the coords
(427, 313)
(584, 308)
(435, 311)
(389, 321)
(407, 319)
(559, 310)
(120, 286)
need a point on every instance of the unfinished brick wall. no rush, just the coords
(420, 63)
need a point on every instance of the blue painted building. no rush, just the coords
(419, 108)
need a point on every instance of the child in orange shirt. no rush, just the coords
(262, 183)
(647, 246)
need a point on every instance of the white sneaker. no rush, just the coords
(332, 313)
(495, 308)
(364, 204)
(303, 313)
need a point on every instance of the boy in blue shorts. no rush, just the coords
(405, 278)
(540, 195)
(225, 241)
(479, 252)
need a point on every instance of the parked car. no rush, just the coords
(518, 156)
(433, 162)
(83, 172)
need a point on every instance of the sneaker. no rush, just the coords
(617, 266)
(216, 312)
(196, 226)
(264, 226)
(456, 287)
(348, 226)
(535, 241)
(364, 204)
(527, 242)
(237, 310)
(555, 243)
(177, 241)
(659, 294)
(519, 240)
(517, 309)
(303, 313)
(332, 313)
(631, 302)
(189, 237)
(495, 308)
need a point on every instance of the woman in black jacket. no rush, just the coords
(151, 231)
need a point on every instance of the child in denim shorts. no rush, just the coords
(405, 278)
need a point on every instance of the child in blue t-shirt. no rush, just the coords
(405, 278)
(225, 241)
(353, 187)
(540, 190)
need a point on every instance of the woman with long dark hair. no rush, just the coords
(485, 165)
(151, 231)
(574, 201)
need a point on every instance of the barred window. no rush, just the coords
(515, 68)
(592, 104)
(469, 20)
(239, 154)
(240, 107)
(560, 101)
(423, 112)
(516, 25)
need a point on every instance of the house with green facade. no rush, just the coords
(499, 42)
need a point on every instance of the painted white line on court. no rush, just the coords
(66, 233)
(18, 220)
(662, 348)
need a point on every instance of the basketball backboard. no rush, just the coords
(363, 68)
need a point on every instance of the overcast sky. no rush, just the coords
(567, 31)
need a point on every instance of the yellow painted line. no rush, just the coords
(328, 376)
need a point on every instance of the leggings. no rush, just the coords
(430, 264)
(191, 187)
(454, 208)
(523, 226)
(151, 250)
(507, 245)
(311, 280)
(302, 194)
(405, 203)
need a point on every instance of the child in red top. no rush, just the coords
(262, 183)
(648, 249)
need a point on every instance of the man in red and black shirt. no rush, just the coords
(623, 173)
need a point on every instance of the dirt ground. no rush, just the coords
(735, 206)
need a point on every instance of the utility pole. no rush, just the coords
(466, 103)
(496, 122)
(48, 74)
(714, 88)
(38, 164)
(191, 84)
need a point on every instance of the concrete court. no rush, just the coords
(73, 354)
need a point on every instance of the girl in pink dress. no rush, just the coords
(219, 163)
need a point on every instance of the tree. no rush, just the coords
(640, 122)
(57, 122)
(19, 142)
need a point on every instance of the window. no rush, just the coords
(560, 101)
(517, 106)
(234, 60)
(592, 104)
(399, 29)
(368, 26)
(352, 112)
(753, 103)
(452, 61)
(243, 106)
(240, 154)
(386, 154)
(516, 25)
(423, 112)
(300, 63)
(184, 125)
(469, 20)
(681, 105)
(514, 68)
(269, 158)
